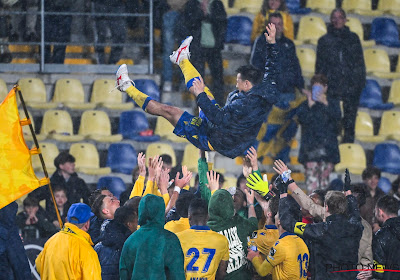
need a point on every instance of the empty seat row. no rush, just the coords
(389, 127)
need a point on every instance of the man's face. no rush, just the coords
(68, 167)
(241, 85)
(379, 215)
(238, 200)
(372, 182)
(338, 20)
(278, 25)
(277, 221)
(111, 204)
(60, 198)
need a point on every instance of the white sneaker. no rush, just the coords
(123, 82)
(182, 52)
(167, 87)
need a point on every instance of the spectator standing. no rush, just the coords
(318, 117)
(268, 7)
(206, 21)
(340, 58)
(69, 253)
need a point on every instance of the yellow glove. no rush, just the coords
(260, 186)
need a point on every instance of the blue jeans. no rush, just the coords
(169, 37)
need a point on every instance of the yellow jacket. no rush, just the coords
(259, 24)
(151, 188)
(69, 255)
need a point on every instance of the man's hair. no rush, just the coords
(321, 195)
(97, 205)
(133, 203)
(221, 178)
(167, 159)
(125, 214)
(81, 225)
(388, 204)
(336, 202)
(319, 78)
(94, 194)
(198, 208)
(241, 193)
(274, 206)
(182, 204)
(338, 10)
(31, 202)
(240, 178)
(275, 15)
(370, 171)
(250, 73)
(62, 158)
(360, 192)
(58, 188)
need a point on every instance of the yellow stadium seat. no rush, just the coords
(389, 6)
(322, 6)
(57, 124)
(87, 159)
(78, 61)
(229, 182)
(96, 125)
(190, 157)
(20, 60)
(307, 59)
(394, 94)
(26, 130)
(355, 26)
(390, 125)
(34, 92)
(352, 156)
(378, 64)
(70, 93)
(104, 94)
(160, 149)
(3, 90)
(74, 49)
(23, 49)
(165, 130)
(360, 7)
(311, 28)
(365, 129)
(249, 6)
(49, 152)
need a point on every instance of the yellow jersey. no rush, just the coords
(177, 226)
(264, 239)
(287, 259)
(203, 250)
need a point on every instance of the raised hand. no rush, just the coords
(158, 168)
(213, 180)
(181, 182)
(252, 156)
(164, 181)
(280, 166)
(152, 167)
(142, 164)
(249, 196)
(198, 86)
(247, 169)
(270, 34)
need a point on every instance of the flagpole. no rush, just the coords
(35, 141)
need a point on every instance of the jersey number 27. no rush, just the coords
(196, 254)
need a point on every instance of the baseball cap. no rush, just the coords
(79, 213)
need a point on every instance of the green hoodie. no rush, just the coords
(152, 252)
(235, 228)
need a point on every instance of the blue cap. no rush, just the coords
(79, 213)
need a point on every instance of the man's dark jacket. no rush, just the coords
(340, 58)
(386, 248)
(335, 242)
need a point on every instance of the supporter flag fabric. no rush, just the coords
(17, 177)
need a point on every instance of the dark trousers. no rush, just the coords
(351, 101)
(57, 29)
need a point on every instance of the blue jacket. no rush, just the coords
(113, 236)
(233, 128)
(289, 76)
(94, 229)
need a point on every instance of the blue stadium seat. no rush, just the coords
(385, 185)
(385, 32)
(294, 7)
(239, 30)
(121, 158)
(114, 184)
(387, 158)
(131, 123)
(149, 87)
(371, 97)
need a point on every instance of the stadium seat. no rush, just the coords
(385, 185)
(378, 64)
(114, 184)
(34, 93)
(87, 159)
(49, 152)
(360, 7)
(57, 125)
(70, 93)
(160, 149)
(3, 90)
(391, 7)
(394, 94)
(239, 30)
(390, 125)
(121, 158)
(307, 58)
(134, 123)
(321, 6)
(311, 28)
(96, 125)
(249, 6)
(387, 158)
(165, 130)
(355, 26)
(364, 131)
(294, 7)
(352, 156)
(385, 32)
(371, 97)
(190, 157)
(149, 87)
(104, 94)
(25, 128)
